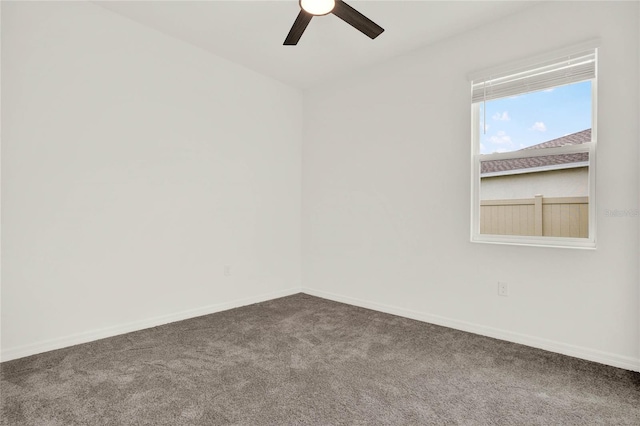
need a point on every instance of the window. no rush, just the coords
(533, 152)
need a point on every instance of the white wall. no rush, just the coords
(134, 167)
(386, 193)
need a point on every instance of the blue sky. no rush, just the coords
(518, 122)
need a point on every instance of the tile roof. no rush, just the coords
(521, 164)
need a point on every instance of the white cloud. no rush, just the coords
(549, 90)
(539, 126)
(501, 138)
(501, 117)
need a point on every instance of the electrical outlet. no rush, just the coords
(503, 289)
(227, 270)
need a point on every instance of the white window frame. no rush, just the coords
(590, 148)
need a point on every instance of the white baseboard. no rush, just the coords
(602, 357)
(89, 336)
(627, 363)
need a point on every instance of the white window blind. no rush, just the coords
(566, 70)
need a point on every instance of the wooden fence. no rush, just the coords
(553, 217)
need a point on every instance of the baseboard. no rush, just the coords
(89, 336)
(627, 363)
(602, 357)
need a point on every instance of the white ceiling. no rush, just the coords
(251, 33)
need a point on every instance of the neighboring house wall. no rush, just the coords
(556, 183)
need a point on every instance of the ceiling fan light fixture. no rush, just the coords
(317, 7)
(311, 8)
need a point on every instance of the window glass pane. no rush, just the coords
(536, 120)
(538, 196)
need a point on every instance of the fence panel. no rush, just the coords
(552, 217)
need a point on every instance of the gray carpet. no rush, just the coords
(305, 360)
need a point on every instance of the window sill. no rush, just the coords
(531, 241)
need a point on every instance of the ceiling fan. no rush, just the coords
(311, 8)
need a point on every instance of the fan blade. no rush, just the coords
(356, 19)
(298, 28)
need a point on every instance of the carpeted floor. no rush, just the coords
(305, 360)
